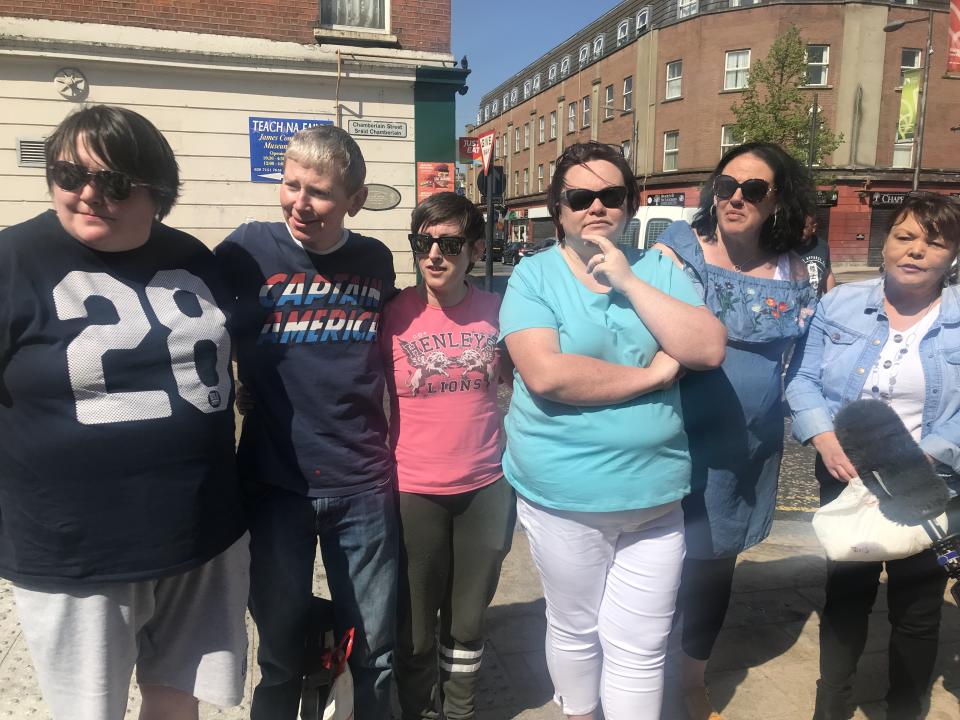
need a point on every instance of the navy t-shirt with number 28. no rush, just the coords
(116, 422)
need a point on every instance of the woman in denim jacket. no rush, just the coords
(896, 339)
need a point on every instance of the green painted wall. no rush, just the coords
(435, 113)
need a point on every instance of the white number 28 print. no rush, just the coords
(95, 405)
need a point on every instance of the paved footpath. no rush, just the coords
(764, 668)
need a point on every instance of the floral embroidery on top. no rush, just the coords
(763, 309)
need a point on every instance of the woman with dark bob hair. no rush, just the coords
(739, 254)
(122, 528)
(893, 339)
(443, 368)
(596, 449)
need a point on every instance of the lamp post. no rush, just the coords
(922, 110)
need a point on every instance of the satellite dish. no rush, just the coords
(381, 197)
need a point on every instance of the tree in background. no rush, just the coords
(775, 109)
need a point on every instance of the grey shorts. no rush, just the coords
(185, 632)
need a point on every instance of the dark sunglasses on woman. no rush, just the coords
(114, 185)
(753, 190)
(450, 245)
(580, 198)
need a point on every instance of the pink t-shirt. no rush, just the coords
(442, 368)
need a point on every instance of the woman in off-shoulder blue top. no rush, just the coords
(739, 254)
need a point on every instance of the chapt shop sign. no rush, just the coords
(268, 142)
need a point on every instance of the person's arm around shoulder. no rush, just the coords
(804, 393)
(688, 333)
(530, 330)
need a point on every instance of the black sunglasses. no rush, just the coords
(753, 190)
(580, 198)
(114, 185)
(450, 245)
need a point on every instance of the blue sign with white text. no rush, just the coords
(268, 143)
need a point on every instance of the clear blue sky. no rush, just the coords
(501, 37)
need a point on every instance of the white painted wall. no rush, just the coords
(201, 100)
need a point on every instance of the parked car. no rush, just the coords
(497, 249)
(513, 251)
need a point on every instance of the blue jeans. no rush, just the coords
(359, 543)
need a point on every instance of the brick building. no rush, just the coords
(204, 72)
(658, 77)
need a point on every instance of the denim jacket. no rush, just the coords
(846, 335)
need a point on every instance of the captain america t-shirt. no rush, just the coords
(306, 326)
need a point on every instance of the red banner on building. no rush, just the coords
(469, 150)
(953, 41)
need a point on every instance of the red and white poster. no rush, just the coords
(953, 41)
(469, 150)
(433, 178)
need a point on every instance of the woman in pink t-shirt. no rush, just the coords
(443, 367)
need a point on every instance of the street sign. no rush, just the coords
(498, 181)
(486, 149)
(666, 200)
(377, 128)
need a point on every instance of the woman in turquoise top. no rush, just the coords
(595, 442)
(740, 255)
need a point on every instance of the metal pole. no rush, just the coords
(812, 149)
(488, 273)
(921, 120)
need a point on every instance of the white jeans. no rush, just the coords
(610, 583)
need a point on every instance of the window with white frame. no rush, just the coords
(572, 116)
(741, 3)
(506, 101)
(565, 66)
(736, 69)
(496, 146)
(628, 93)
(363, 15)
(910, 59)
(541, 129)
(526, 181)
(902, 154)
(536, 83)
(550, 169)
(486, 113)
(818, 64)
(495, 107)
(516, 182)
(553, 125)
(526, 135)
(608, 103)
(552, 73)
(671, 148)
(516, 140)
(479, 117)
(585, 104)
(729, 138)
(527, 87)
(540, 177)
(643, 20)
(686, 8)
(513, 96)
(584, 55)
(674, 80)
(598, 46)
(623, 32)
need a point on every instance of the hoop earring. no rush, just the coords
(713, 213)
(776, 214)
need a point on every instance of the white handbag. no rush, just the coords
(852, 528)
